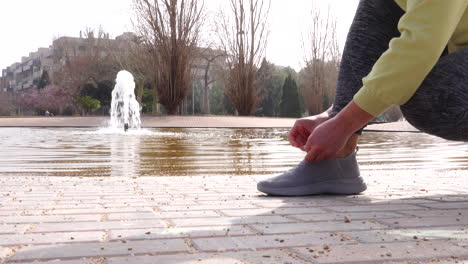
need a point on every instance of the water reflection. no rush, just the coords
(411, 151)
(124, 155)
(200, 152)
(169, 152)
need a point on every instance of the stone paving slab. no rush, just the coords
(161, 215)
(264, 242)
(431, 221)
(127, 210)
(152, 220)
(48, 219)
(451, 205)
(80, 261)
(407, 235)
(12, 228)
(375, 208)
(350, 216)
(230, 221)
(270, 212)
(438, 261)
(257, 257)
(47, 238)
(30, 253)
(381, 253)
(326, 226)
(94, 226)
(438, 212)
(4, 252)
(179, 232)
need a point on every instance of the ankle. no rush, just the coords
(350, 147)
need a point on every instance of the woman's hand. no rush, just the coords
(330, 137)
(303, 128)
(326, 141)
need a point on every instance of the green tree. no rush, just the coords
(217, 98)
(290, 105)
(101, 91)
(147, 101)
(271, 78)
(44, 81)
(265, 84)
(88, 104)
(219, 102)
(279, 75)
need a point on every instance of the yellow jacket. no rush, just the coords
(427, 27)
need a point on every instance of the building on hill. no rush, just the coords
(27, 73)
(22, 76)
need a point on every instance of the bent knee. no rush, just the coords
(443, 124)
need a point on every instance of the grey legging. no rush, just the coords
(440, 105)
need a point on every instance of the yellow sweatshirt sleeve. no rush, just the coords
(426, 28)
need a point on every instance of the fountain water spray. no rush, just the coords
(125, 109)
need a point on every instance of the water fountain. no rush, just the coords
(125, 109)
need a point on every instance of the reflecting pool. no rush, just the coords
(200, 152)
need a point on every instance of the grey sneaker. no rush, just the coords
(339, 176)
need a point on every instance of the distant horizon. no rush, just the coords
(286, 25)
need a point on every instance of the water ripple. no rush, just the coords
(201, 152)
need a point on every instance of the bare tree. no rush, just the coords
(211, 73)
(84, 60)
(243, 35)
(169, 30)
(322, 60)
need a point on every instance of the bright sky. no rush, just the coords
(29, 24)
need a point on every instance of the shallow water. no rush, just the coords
(200, 152)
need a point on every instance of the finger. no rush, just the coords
(296, 142)
(301, 141)
(304, 132)
(312, 155)
(308, 145)
(292, 137)
(323, 156)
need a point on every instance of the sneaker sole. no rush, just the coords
(335, 187)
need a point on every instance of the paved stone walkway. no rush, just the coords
(405, 217)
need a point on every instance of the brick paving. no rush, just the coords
(405, 217)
